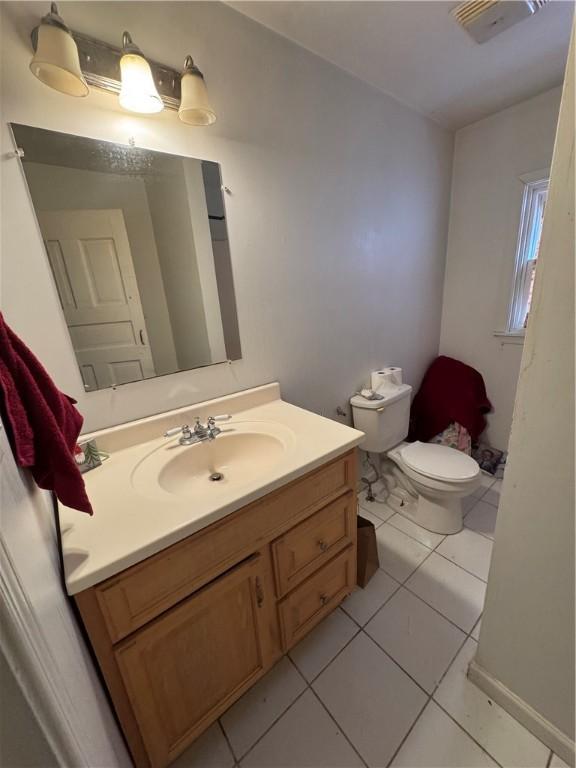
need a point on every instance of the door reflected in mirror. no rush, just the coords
(138, 246)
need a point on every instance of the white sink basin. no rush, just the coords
(153, 492)
(240, 455)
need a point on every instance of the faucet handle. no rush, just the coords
(222, 417)
(176, 430)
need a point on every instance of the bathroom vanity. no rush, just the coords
(187, 603)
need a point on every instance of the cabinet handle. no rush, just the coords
(259, 592)
(324, 599)
(323, 546)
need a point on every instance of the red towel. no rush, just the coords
(43, 422)
(450, 392)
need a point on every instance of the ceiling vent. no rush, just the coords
(484, 19)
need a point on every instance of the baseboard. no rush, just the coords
(543, 729)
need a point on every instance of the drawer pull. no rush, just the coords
(324, 599)
(259, 592)
(322, 545)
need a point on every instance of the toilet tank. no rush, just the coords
(384, 422)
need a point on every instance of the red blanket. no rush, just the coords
(42, 422)
(451, 392)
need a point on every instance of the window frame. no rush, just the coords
(533, 199)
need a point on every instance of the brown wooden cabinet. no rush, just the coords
(315, 598)
(180, 636)
(303, 549)
(197, 658)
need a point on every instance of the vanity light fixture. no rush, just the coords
(195, 107)
(138, 92)
(56, 62)
(71, 62)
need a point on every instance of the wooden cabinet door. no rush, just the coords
(186, 667)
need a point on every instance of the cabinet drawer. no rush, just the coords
(309, 545)
(303, 608)
(144, 591)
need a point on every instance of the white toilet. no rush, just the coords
(423, 481)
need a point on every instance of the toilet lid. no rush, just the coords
(439, 461)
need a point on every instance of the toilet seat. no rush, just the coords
(439, 462)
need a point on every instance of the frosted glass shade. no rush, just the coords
(195, 107)
(56, 61)
(138, 92)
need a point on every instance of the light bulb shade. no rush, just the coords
(56, 62)
(138, 92)
(195, 107)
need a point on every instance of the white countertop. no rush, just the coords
(130, 525)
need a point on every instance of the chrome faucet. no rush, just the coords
(200, 432)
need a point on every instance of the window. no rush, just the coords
(533, 203)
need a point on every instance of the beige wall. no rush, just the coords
(196, 197)
(489, 158)
(170, 212)
(337, 214)
(527, 636)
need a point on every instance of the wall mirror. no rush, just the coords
(138, 246)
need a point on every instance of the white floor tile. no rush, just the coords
(492, 495)
(455, 593)
(369, 516)
(318, 648)
(468, 503)
(469, 550)
(476, 631)
(382, 511)
(493, 728)
(304, 737)
(363, 603)
(370, 697)
(486, 481)
(417, 637)
(210, 750)
(482, 518)
(251, 715)
(557, 762)
(437, 742)
(399, 554)
(428, 538)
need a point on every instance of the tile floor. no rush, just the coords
(382, 681)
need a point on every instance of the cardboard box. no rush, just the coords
(367, 558)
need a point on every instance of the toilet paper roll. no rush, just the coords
(386, 378)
